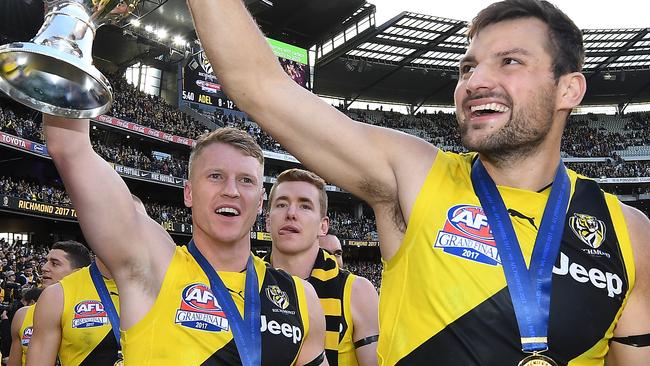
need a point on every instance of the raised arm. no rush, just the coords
(135, 248)
(16, 351)
(365, 318)
(46, 339)
(369, 161)
(635, 319)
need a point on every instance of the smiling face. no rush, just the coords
(506, 93)
(225, 193)
(294, 218)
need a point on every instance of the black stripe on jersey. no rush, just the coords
(582, 309)
(105, 354)
(226, 355)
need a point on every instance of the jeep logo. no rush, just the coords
(610, 281)
(290, 331)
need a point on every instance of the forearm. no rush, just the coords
(236, 48)
(101, 199)
(66, 137)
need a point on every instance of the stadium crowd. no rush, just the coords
(133, 105)
(369, 270)
(21, 271)
(13, 122)
(30, 189)
(131, 156)
(613, 168)
(167, 213)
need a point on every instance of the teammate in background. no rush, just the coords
(297, 217)
(446, 294)
(171, 313)
(332, 244)
(73, 323)
(64, 258)
(21, 329)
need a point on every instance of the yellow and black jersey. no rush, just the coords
(26, 330)
(86, 333)
(187, 326)
(333, 286)
(444, 298)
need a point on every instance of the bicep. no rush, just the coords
(314, 344)
(350, 154)
(624, 355)
(46, 338)
(16, 352)
(635, 319)
(104, 206)
(365, 316)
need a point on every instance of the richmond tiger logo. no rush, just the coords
(277, 296)
(205, 63)
(588, 229)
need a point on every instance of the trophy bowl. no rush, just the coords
(54, 72)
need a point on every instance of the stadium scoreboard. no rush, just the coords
(200, 85)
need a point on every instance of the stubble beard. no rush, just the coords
(523, 133)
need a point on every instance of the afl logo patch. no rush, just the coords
(199, 309)
(26, 336)
(89, 314)
(277, 296)
(588, 229)
(466, 234)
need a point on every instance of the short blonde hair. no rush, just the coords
(230, 136)
(301, 175)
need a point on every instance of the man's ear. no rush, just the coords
(571, 89)
(324, 226)
(187, 194)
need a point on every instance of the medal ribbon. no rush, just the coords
(246, 332)
(105, 297)
(530, 289)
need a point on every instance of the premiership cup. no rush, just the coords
(54, 72)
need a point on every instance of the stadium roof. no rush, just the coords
(413, 59)
(299, 22)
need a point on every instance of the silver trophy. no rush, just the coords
(54, 72)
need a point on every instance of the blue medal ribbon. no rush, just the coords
(105, 297)
(246, 332)
(530, 289)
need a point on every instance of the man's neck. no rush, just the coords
(300, 264)
(532, 173)
(226, 257)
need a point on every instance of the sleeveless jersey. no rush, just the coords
(86, 335)
(186, 325)
(444, 298)
(26, 330)
(333, 286)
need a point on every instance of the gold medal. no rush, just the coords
(537, 359)
(120, 359)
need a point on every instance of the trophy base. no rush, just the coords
(51, 82)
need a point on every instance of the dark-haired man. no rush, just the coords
(297, 217)
(457, 286)
(64, 258)
(74, 323)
